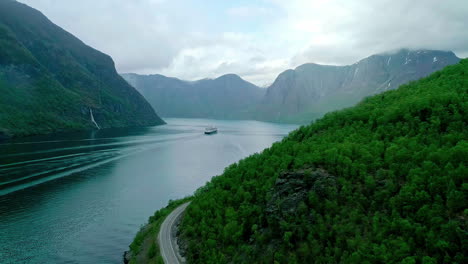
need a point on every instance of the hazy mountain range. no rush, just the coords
(226, 97)
(298, 96)
(311, 90)
(51, 81)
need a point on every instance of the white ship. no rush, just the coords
(211, 130)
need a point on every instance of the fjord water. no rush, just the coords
(81, 197)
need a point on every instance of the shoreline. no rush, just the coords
(145, 246)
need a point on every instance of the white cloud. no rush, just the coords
(248, 11)
(341, 32)
(259, 39)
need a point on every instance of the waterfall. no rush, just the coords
(92, 118)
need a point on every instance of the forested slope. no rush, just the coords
(50, 81)
(381, 182)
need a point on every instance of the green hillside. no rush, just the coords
(51, 81)
(382, 182)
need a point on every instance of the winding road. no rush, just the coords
(166, 238)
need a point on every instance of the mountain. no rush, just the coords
(381, 182)
(311, 90)
(51, 81)
(226, 97)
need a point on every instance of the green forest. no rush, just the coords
(381, 182)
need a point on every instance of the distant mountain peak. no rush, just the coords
(229, 76)
(408, 51)
(311, 89)
(226, 97)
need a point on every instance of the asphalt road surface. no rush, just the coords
(167, 240)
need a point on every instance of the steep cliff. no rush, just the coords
(311, 90)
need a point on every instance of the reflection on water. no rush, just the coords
(80, 198)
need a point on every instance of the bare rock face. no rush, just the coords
(310, 90)
(292, 188)
(127, 256)
(287, 200)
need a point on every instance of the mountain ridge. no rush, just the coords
(225, 97)
(310, 90)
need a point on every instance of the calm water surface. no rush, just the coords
(80, 198)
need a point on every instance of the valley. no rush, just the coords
(233, 132)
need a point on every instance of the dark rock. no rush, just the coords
(291, 188)
(4, 135)
(181, 242)
(127, 256)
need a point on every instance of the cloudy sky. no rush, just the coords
(257, 39)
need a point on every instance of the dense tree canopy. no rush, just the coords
(382, 182)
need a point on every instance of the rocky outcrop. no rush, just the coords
(127, 256)
(292, 187)
(181, 242)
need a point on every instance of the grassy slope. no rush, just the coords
(397, 191)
